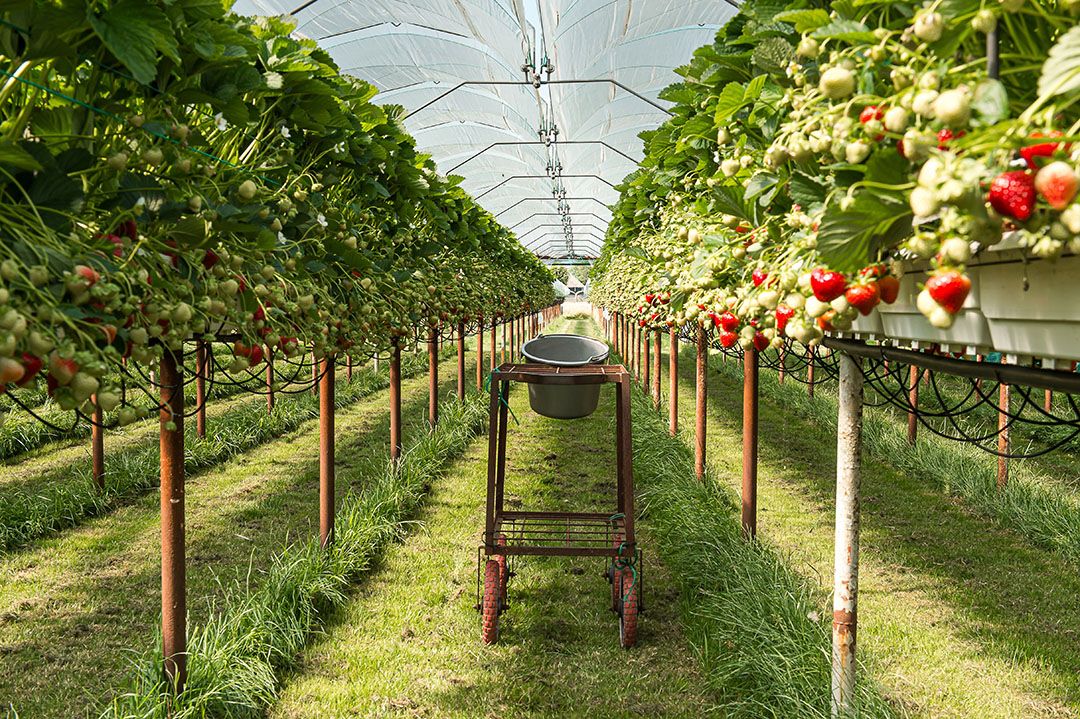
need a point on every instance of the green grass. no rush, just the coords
(409, 643)
(236, 657)
(77, 609)
(62, 499)
(959, 616)
(1045, 514)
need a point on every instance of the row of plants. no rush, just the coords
(70, 496)
(819, 149)
(237, 658)
(173, 170)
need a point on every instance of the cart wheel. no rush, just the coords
(615, 576)
(504, 572)
(491, 602)
(629, 616)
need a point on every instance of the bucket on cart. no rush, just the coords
(565, 401)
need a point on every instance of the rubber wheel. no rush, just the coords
(489, 630)
(504, 571)
(629, 616)
(615, 576)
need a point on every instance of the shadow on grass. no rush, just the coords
(86, 633)
(1016, 602)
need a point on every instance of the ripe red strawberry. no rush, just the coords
(949, 288)
(758, 277)
(62, 370)
(783, 314)
(31, 366)
(945, 136)
(1031, 153)
(825, 321)
(649, 298)
(715, 319)
(1012, 194)
(761, 342)
(863, 297)
(210, 259)
(889, 288)
(88, 274)
(128, 229)
(826, 284)
(871, 112)
(728, 339)
(1057, 183)
(729, 322)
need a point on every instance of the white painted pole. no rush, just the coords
(846, 558)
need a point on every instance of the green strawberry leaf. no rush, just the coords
(135, 32)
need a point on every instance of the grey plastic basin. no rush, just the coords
(565, 401)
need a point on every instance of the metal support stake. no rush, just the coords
(646, 379)
(269, 381)
(783, 363)
(1048, 401)
(494, 340)
(846, 556)
(326, 453)
(513, 342)
(750, 442)
(433, 376)
(201, 364)
(480, 355)
(658, 359)
(503, 349)
(395, 398)
(811, 352)
(913, 401)
(1003, 441)
(461, 361)
(348, 368)
(173, 567)
(673, 382)
(97, 445)
(702, 399)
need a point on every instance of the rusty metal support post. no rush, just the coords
(658, 360)
(1003, 440)
(326, 453)
(846, 550)
(201, 365)
(494, 342)
(433, 376)
(646, 379)
(913, 401)
(269, 381)
(702, 400)
(513, 338)
(461, 361)
(673, 382)
(480, 355)
(810, 352)
(750, 442)
(395, 398)
(314, 372)
(173, 564)
(783, 363)
(502, 352)
(1048, 401)
(97, 445)
(348, 368)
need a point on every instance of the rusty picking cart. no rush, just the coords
(509, 534)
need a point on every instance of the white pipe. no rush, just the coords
(846, 558)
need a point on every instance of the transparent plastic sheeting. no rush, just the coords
(415, 50)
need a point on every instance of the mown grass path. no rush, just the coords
(409, 644)
(958, 617)
(77, 608)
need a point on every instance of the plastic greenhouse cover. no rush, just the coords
(415, 51)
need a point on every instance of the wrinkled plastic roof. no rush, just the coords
(417, 51)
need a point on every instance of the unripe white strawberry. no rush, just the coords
(956, 250)
(246, 190)
(923, 103)
(896, 119)
(856, 152)
(108, 401)
(925, 303)
(985, 21)
(953, 107)
(923, 202)
(730, 167)
(840, 304)
(815, 307)
(82, 386)
(928, 26)
(808, 47)
(1071, 218)
(837, 83)
(940, 318)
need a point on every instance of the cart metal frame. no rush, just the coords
(564, 534)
